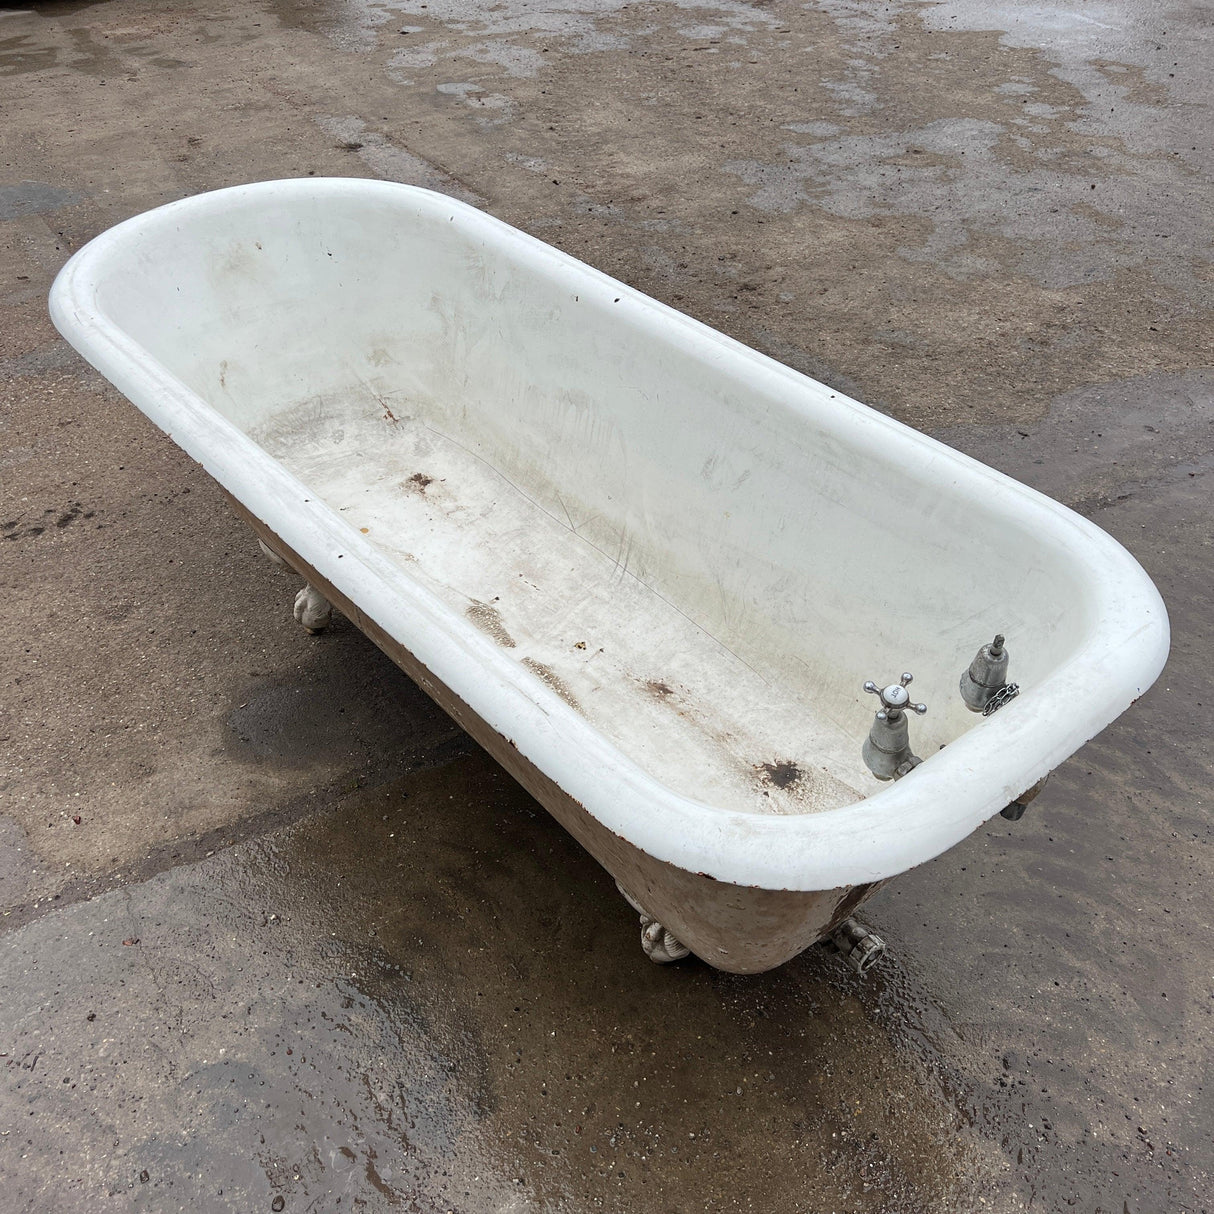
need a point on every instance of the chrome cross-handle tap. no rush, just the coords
(887, 750)
(895, 698)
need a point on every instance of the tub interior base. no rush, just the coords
(691, 712)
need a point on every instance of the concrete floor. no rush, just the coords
(276, 936)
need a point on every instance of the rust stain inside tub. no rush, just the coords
(658, 689)
(489, 620)
(783, 774)
(683, 704)
(553, 680)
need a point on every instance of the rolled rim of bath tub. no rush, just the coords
(899, 826)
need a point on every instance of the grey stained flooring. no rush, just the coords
(275, 936)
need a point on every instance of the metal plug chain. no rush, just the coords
(1005, 694)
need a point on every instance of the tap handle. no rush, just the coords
(895, 697)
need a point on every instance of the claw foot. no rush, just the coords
(660, 944)
(312, 610)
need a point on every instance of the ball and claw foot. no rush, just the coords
(660, 945)
(312, 610)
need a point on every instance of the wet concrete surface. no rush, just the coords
(429, 997)
(364, 966)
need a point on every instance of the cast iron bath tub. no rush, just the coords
(647, 568)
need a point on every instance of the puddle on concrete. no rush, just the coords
(33, 198)
(392, 163)
(1105, 443)
(16, 861)
(349, 709)
(1076, 1018)
(994, 218)
(514, 34)
(1082, 1048)
(431, 996)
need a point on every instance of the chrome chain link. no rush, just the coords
(1006, 693)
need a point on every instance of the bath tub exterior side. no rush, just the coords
(739, 928)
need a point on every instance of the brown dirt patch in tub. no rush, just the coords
(658, 689)
(419, 482)
(553, 680)
(783, 774)
(489, 620)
